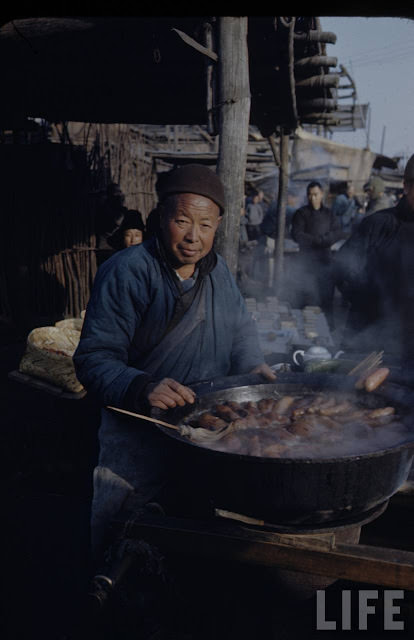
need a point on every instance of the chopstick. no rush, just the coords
(370, 362)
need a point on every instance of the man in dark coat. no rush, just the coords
(162, 315)
(375, 273)
(316, 229)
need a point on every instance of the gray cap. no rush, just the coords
(193, 178)
(409, 170)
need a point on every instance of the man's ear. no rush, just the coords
(219, 220)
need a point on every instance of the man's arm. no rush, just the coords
(114, 313)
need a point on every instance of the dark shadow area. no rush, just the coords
(47, 243)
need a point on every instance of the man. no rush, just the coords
(375, 273)
(347, 207)
(316, 229)
(254, 215)
(110, 216)
(377, 200)
(162, 315)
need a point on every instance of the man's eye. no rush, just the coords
(206, 226)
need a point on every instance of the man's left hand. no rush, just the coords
(265, 371)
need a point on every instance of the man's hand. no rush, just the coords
(169, 393)
(265, 371)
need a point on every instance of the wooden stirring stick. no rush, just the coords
(199, 434)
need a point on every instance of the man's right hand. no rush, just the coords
(168, 394)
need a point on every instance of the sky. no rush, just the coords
(379, 55)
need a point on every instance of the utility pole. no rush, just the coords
(234, 116)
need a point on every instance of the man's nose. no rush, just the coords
(192, 234)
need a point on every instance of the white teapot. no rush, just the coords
(314, 353)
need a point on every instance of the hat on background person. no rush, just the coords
(132, 220)
(193, 178)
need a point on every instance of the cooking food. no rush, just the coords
(325, 424)
(373, 380)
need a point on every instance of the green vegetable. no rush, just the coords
(322, 366)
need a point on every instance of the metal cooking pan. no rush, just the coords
(297, 492)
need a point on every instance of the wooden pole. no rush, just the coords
(234, 114)
(281, 210)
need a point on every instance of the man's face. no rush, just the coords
(315, 196)
(409, 193)
(188, 224)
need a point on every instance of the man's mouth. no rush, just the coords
(188, 253)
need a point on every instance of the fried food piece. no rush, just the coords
(381, 412)
(302, 427)
(328, 422)
(342, 407)
(225, 412)
(255, 447)
(373, 380)
(274, 450)
(352, 416)
(208, 421)
(281, 433)
(283, 405)
(265, 405)
(277, 418)
(248, 422)
(251, 407)
(231, 443)
(316, 404)
(327, 404)
(237, 408)
(300, 406)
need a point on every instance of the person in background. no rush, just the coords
(254, 216)
(377, 199)
(110, 216)
(375, 274)
(162, 315)
(315, 228)
(131, 231)
(269, 225)
(347, 207)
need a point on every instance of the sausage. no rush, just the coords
(381, 412)
(273, 450)
(208, 421)
(249, 422)
(373, 380)
(376, 378)
(314, 407)
(336, 409)
(266, 404)
(251, 407)
(237, 408)
(226, 412)
(278, 419)
(302, 427)
(283, 405)
(255, 447)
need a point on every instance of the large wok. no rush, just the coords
(296, 493)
